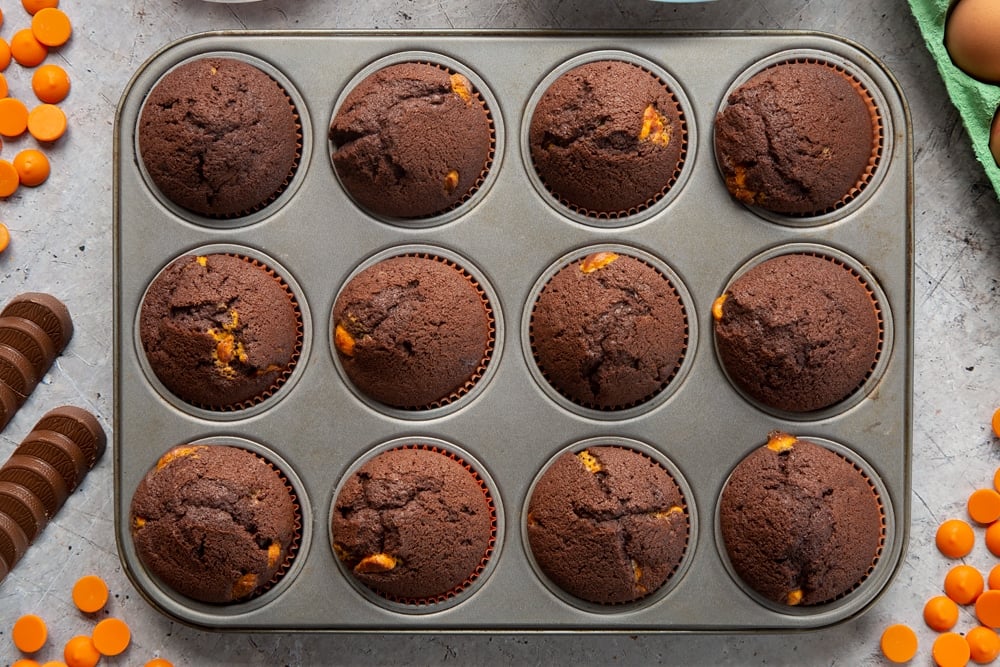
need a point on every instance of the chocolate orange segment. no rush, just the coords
(60, 452)
(30, 340)
(39, 477)
(78, 425)
(46, 311)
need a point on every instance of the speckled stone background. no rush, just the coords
(62, 244)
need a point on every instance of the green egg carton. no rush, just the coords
(977, 102)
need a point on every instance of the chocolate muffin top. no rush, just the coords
(414, 525)
(607, 138)
(411, 140)
(607, 524)
(412, 332)
(797, 332)
(608, 331)
(219, 137)
(801, 524)
(219, 331)
(796, 138)
(213, 522)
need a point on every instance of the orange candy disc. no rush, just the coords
(4, 54)
(29, 633)
(4, 237)
(995, 423)
(13, 117)
(984, 645)
(963, 584)
(46, 122)
(26, 49)
(50, 83)
(111, 636)
(955, 538)
(9, 179)
(51, 26)
(988, 608)
(90, 593)
(984, 506)
(940, 613)
(950, 650)
(81, 652)
(33, 6)
(899, 643)
(32, 167)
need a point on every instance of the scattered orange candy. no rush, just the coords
(9, 179)
(3, 86)
(984, 506)
(90, 593)
(50, 83)
(46, 122)
(963, 584)
(984, 644)
(4, 237)
(111, 636)
(993, 540)
(13, 117)
(32, 167)
(4, 54)
(995, 423)
(994, 578)
(25, 662)
(899, 643)
(988, 608)
(950, 650)
(26, 49)
(54, 663)
(940, 613)
(51, 26)
(33, 6)
(955, 538)
(159, 662)
(29, 633)
(81, 652)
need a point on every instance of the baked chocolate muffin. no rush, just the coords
(221, 332)
(215, 523)
(608, 138)
(800, 523)
(798, 332)
(798, 138)
(413, 332)
(412, 140)
(219, 137)
(608, 331)
(607, 524)
(414, 524)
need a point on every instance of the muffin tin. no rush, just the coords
(511, 233)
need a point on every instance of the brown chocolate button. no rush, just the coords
(8, 404)
(17, 372)
(24, 507)
(30, 340)
(13, 541)
(59, 451)
(38, 477)
(79, 426)
(47, 312)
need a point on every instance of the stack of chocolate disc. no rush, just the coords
(44, 469)
(34, 329)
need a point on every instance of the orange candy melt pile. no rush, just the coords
(110, 636)
(963, 585)
(45, 122)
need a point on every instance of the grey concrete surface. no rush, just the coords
(62, 244)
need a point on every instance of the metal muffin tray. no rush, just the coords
(511, 234)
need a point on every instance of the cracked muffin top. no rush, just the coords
(608, 331)
(607, 524)
(213, 522)
(413, 332)
(412, 140)
(797, 138)
(414, 524)
(801, 524)
(221, 332)
(219, 137)
(607, 138)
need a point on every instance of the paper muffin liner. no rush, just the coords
(297, 529)
(483, 97)
(474, 382)
(671, 281)
(874, 575)
(247, 407)
(880, 304)
(655, 203)
(255, 212)
(460, 592)
(881, 132)
(687, 506)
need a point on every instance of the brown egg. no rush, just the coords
(995, 137)
(972, 38)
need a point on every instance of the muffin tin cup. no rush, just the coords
(205, 614)
(507, 236)
(880, 571)
(692, 536)
(451, 598)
